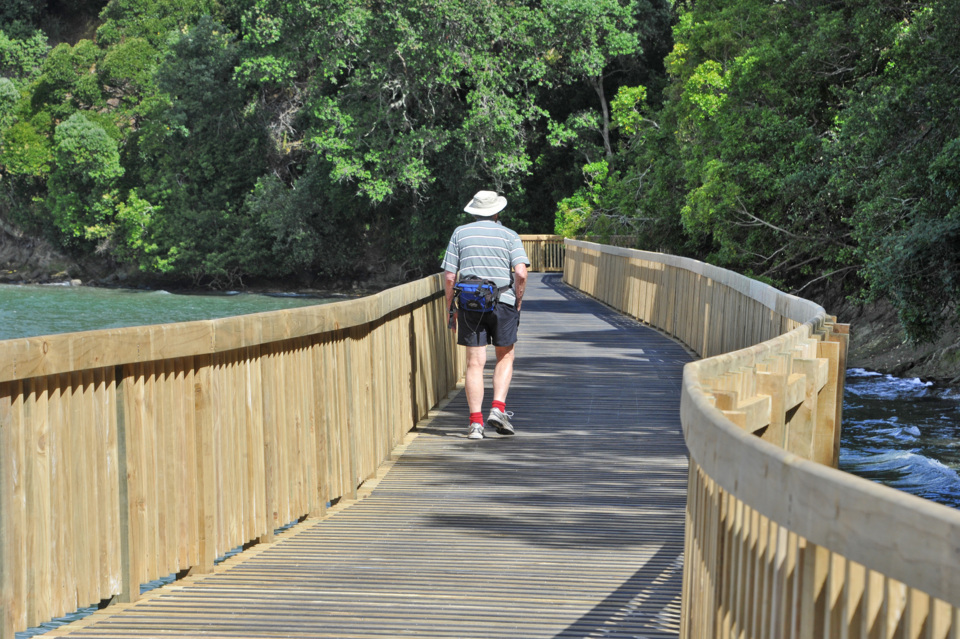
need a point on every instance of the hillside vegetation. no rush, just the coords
(808, 144)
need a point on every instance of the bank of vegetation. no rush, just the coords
(810, 144)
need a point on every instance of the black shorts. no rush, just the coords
(497, 327)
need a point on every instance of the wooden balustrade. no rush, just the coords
(779, 543)
(130, 454)
(545, 252)
(127, 455)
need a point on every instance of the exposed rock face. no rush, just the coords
(878, 343)
(26, 259)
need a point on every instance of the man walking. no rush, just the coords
(488, 250)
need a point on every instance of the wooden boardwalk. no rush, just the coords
(571, 528)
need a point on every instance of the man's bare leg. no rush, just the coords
(476, 360)
(502, 374)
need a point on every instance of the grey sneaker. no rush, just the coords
(476, 431)
(501, 421)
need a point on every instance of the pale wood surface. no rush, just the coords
(779, 545)
(544, 251)
(573, 527)
(131, 454)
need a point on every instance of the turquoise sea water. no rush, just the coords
(44, 310)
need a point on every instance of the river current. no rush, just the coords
(904, 433)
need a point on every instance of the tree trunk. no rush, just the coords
(597, 83)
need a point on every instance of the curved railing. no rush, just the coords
(130, 454)
(779, 543)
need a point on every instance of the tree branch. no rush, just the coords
(758, 222)
(825, 276)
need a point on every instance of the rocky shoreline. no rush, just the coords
(877, 342)
(27, 260)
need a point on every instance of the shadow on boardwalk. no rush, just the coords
(571, 528)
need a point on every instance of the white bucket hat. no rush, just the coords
(485, 204)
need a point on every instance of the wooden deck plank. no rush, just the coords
(571, 528)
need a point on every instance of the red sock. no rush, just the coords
(502, 406)
(476, 418)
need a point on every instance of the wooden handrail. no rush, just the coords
(130, 454)
(545, 252)
(126, 455)
(779, 543)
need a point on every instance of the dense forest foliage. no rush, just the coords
(214, 141)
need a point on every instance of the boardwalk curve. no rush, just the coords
(572, 528)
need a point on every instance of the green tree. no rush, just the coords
(150, 20)
(587, 37)
(416, 105)
(82, 186)
(20, 16)
(201, 153)
(754, 93)
(306, 233)
(69, 82)
(21, 59)
(897, 157)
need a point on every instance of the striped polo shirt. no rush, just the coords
(488, 250)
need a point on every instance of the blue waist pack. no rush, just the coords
(475, 294)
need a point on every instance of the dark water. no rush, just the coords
(44, 310)
(903, 433)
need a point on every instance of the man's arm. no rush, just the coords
(449, 279)
(519, 282)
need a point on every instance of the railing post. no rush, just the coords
(801, 428)
(129, 583)
(774, 385)
(206, 481)
(827, 428)
(353, 425)
(8, 481)
(268, 396)
(841, 335)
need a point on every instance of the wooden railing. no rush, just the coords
(779, 543)
(545, 252)
(127, 455)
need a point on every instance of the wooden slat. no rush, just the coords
(61, 602)
(206, 476)
(13, 513)
(39, 541)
